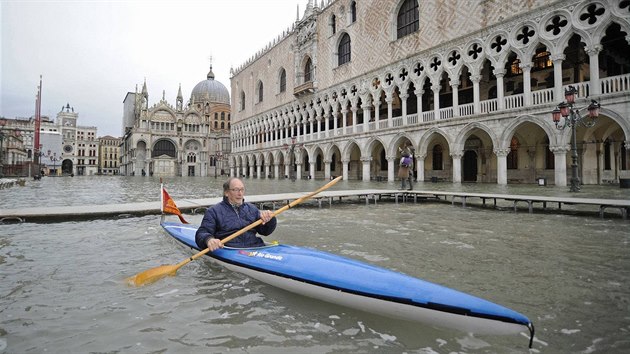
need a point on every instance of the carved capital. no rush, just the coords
(501, 152)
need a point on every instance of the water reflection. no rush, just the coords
(62, 290)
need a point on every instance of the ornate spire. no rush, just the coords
(145, 92)
(179, 104)
(210, 73)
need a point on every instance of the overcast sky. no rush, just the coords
(91, 53)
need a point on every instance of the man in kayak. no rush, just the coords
(231, 215)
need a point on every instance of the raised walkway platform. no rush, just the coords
(85, 212)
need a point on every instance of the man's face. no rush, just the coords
(236, 192)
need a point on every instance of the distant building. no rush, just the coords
(13, 150)
(179, 140)
(108, 155)
(79, 154)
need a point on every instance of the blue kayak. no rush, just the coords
(362, 286)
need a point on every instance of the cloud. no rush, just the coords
(91, 53)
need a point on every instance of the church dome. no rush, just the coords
(211, 91)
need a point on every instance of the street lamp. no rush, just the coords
(54, 160)
(218, 156)
(571, 119)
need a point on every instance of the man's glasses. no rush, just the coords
(236, 190)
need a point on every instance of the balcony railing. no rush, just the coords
(305, 88)
(608, 85)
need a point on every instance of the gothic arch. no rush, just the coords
(467, 131)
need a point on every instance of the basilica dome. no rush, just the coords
(210, 91)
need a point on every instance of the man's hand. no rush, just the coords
(265, 216)
(214, 244)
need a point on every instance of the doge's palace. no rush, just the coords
(470, 86)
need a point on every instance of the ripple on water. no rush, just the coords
(62, 285)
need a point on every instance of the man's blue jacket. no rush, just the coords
(222, 220)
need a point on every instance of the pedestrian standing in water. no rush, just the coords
(405, 169)
(231, 215)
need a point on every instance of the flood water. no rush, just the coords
(62, 284)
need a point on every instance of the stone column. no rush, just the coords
(366, 118)
(327, 169)
(366, 162)
(501, 165)
(419, 92)
(526, 67)
(403, 102)
(287, 169)
(455, 93)
(560, 163)
(318, 122)
(344, 164)
(499, 73)
(326, 117)
(276, 170)
(267, 170)
(344, 115)
(311, 170)
(593, 57)
(389, 100)
(298, 173)
(476, 98)
(457, 166)
(420, 167)
(391, 168)
(436, 100)
(557, 77)
(259, 171)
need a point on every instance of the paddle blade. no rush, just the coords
(152, 275)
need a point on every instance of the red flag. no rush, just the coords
(169, 207)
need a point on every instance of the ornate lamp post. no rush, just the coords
(218, 157)
(571, 119)
(54, 160)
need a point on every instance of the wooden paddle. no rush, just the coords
(154, 274)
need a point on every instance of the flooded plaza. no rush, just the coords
(62, 284)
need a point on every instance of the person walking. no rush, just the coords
(405, 170)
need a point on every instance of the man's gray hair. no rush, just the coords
(226, 184)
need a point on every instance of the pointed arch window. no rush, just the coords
(353, 12)
(283, 80)
(408, 18)
(333, 24)
(259, 91)
(242, 103)
(308, 70)
(344, 49)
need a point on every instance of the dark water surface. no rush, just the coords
(62, 289)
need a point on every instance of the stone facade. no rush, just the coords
(108, 155)
(167, 140)
(470, 85)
